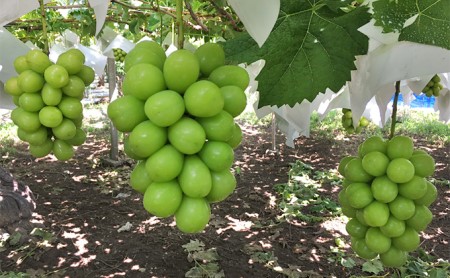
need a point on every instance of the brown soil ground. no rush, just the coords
(77, 201)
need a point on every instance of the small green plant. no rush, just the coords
(300, 197)
(410, 122)
(423, 124)
(328, 126)
(420, 265)
(260, 255)
(20, 252)
(374, 267)
(442, 182)
(251, 119)
(339, 254)
(423, 265)
(238, 170)
(12, 274)
(206, 260)
(96, 120)
(8, 138)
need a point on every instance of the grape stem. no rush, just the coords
(394, 109)
(44, 27)
(180, 37)
(161, 27)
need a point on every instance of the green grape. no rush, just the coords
(436, 91)
(364, 122)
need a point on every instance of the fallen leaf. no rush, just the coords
(123, 195)
(194, 245)
(206, 255)
(125, 228)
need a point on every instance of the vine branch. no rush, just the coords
(159, 9)
(26, 23)
(196, 23)
(394, 109)
(194, 16)
(227, 15)
(68, 7)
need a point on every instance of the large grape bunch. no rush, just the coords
(433, 87)
(387, 196)
(48, 97)
(178, 113)
(347, 122)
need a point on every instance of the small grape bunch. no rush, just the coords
(49, 112)
(119, 54)
(433, 87)
(347, 122)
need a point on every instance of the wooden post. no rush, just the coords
(114, 152)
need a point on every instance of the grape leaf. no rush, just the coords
(438, 273)
(209, 255)
(431, 24)
(14, 239)
(194, 245)
(205, 270)
(134, 26)
(391, 15)
(310, 48)
(374, 267)
(348, 263)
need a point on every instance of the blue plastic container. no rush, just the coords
(421, 101)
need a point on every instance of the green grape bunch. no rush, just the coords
(347, 122)
(178, 113)
(386, 194)
(433, 87)
(48, 96)
(119, 54)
